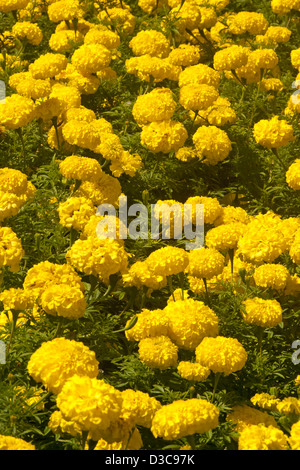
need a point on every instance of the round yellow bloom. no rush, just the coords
(17, 111)
(150, 42)
(10, 205)
(212, 208)
(265, 401)
(10, 5)
(56, 361)
(289, 405)
(164, 136)
(59, 425)
(91, 403)
(195, 97)
(250, 22)
(220, 354)
(48, 65)
(149, 323)
(185, 55)
(167, 261)
(80, 168)
(139, 407)
(231, 58)
(100, 34)
(14, 443)
(64, 10)
(11, 250)
(231, 214)
(243, 416)
(120, 18)
(64, 301)
(271, 275)
(262, 312)
(16, 299)
(294, 439)
(91, 58)
(212, 144)
(106, 190)
(259, 437)
(225, 237)
(189, 321)
(273, 133)
(193, 371)
(75, 212)
(158, 105)
(205, 263)
(29, 31)
(184, 418)
(158, 352)
(293, 175)
(139, 275)
(146, 66)
(64, 41)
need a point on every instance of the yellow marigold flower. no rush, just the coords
(243, 416)
(212, 144)
(114, 228)
(185, 154)
(271, 84)
(126, 163)
(17, 111)
(292, 286)
(29, 31)
(208, 17)
(149, 6)
(81, 114)
(248, 22)
(11, 250)
(64, 10)
(91, 58)
(225, 237)
(110, 146)
(262, 312)
(67, 96)
(158, 352)
(195, 97)
(185, 55)
(271, 275)
(59, 425)
(192, 371)
(281, 7)
(259, 437)
(90, 403)
(294, 439)
(16, 299)
(199, 74)
(150, 42)
(100, 34)
(189, 321)
(265, 401)
(45, 274)
(106, 190)
(184, 418)
(9, 205)
(273, 133)
(13, 181)
(220, 354)
(120, 18)
(231, 214)
(186, 16)
(289, 405)
(14, 443)
(54, 362)
(139, 407)
(139, 275)
(35, 89)
(10, 5)
(197, 285)
(218, 114)
(146, 66)
(164, 136)
(167, 261)
(149, 323)
(100, 257)
(294, 250)
(64, 41)
(293, 175)
(75, 212)
(262, 240)
(278, 34)
(80, 168)
(158, 105)
(295, 58)
(48, 65)
(63, 301)
(212, 208)
(205, 263)
(135, 443)
(231, 58)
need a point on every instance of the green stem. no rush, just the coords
(231, 256)
(170, 284)
(15, 314)
(275, 152)
(20, 134)
(206, 292)
(217, 378)
(191, 441)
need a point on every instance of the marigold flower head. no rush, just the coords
(48, 65)
(91, 58)
(164, 136)
(14, 443)
(262, 312)
(64, 10)
(100, 34)
(212, 144)
(231, 214)
(293, 175)
(195, 97)
(75, 212)
(185, 55)
(184, 418)
(12, 5)
(54, 362)
(212, 208)
(167, 261)
(63, 301)
(10, 205)
(121, 18)
(243, 416)
(199, 74)
(271, 275)
(106, 190)
(265, 401)
(139, 407)
(149, 323)
(29, 31)
(11, 250)
(295, 58)
(158, 105)
(80, 168)
(135, 443)
(189, 321)
(205, 263)
(289, 405)
(248, 22)
(259, 437)
(271, 84)
(64, 41)
(294, 439)
(16, 299)
(59, 425)
(220, 354)
(17, 111)
(147, 66)
(231, 58)
(225, 237)
(150, 42)
(90, 403)
(158, 352)
(193, 371)
(139, 275)
(273, 133)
